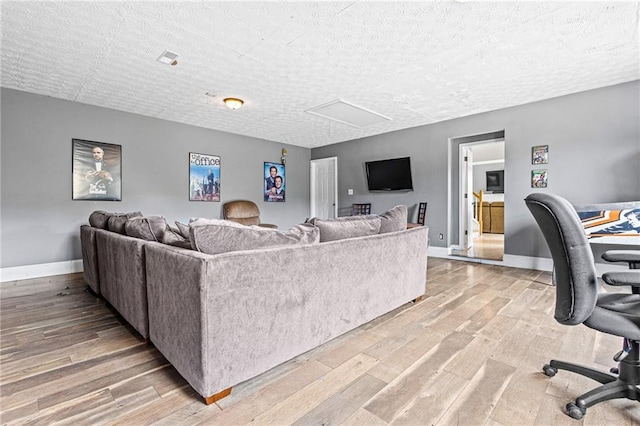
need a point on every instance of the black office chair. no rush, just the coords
(578, 302)
(358, 209)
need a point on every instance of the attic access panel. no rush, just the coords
(347, 113)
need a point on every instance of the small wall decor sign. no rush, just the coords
(274, 182)
(539, 178)
(540, 154)
(96, 171)
(204, 177)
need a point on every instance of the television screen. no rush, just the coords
(389, 175)
(495, 181)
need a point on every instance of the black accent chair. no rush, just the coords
(422, 213)
(578, 301)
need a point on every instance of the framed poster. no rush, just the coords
(96, 171)
(539, 178)
(540, 154)
(274, 182)
(204, 177)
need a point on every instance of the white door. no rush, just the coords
(324, 188)
(466, 197)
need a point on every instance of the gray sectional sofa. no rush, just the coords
(224, 317)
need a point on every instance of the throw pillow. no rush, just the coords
(183, 229)
(99, 219)
(117, 220)
(394, 219)
(150, 228)
(347, 227)
(214, 236)
(172, 237)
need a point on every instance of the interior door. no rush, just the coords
(324, 188)
(466, 197)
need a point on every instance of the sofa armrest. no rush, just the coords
(90, 258)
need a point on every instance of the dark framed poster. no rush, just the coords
(96, 170)
(204, 177)
(274, 182)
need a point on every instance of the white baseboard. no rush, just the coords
(41, 270)
(524, 262)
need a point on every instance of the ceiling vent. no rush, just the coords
(347, 113)
(168, 58)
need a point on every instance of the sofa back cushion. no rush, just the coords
(117, 220)
(99, 219)
(394, 219)
(214, 236)
(347, 227)
(149, 228)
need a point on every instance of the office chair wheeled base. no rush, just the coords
(624, 385)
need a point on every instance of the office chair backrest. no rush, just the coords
(575, 274)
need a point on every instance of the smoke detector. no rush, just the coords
(168, 58)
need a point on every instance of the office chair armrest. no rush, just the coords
(632, 257)
(624, 278)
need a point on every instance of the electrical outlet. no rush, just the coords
(441, 237)
(349, 191)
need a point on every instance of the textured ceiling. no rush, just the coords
(416, 62)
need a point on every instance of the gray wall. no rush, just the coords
(40, 221)
(594, 152)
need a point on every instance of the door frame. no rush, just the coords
(453, 148)
(465, 204)
(312, 186)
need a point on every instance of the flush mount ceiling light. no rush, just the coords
(233, 103)
(168, 58)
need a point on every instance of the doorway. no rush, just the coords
(324, 188)
(479, 237)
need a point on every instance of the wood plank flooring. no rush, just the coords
(469, 353)
(485, 246)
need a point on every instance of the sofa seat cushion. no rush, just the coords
(149, 228)
(214, 236)
(347, 227)
(117, 220)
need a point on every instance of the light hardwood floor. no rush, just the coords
(485, 246)
(470, 353)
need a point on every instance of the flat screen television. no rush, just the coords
(495, 181)
(389, 175)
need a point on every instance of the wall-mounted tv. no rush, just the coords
(389, 175)
(495, 181)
